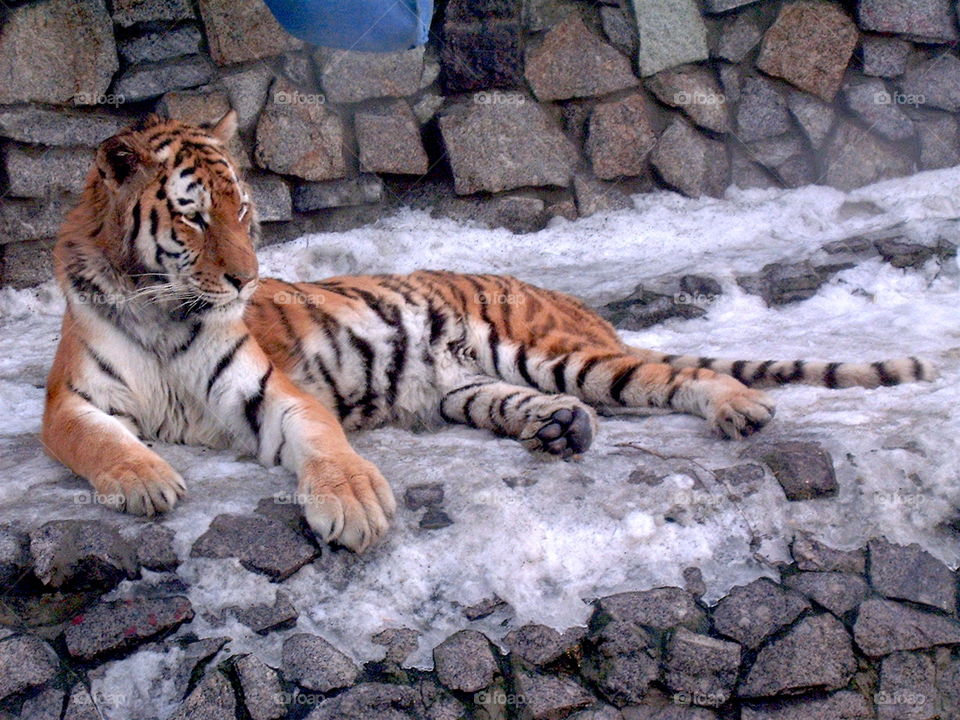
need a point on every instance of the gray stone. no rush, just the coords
(762, 112)
(427, 106)
(813, 115)
(702, 666)
(843, 705)
(59, 52)
(541, 15)
(693, 582)
(731, 80)
(773, 152)
(620, 137)
(315, 664)
(465, 662)
(40, 126)
(595, 196)
(26, 661)
(902, 254)
(739, 480)
(271, 198)
(247, 88)
(262, 689)
(260, 544)
(672, 32)
(933, 83)
(816, 654)
(212, 699)
(547, 697)
(131, 12)
(501, 146)
(155, 548)
(753, 612)
(542, 645)
(923, 20)
(617, 23)
(643, 308)
(81, 554)
(80, 705)
(837, 592)
(739, 37)
(349, 76)
(872, 102)
(434, 519)
(661, 609)
(598, 712)
(885, 626)
(22, 220)
(481, 54)
(436, 703)
(140, 82)
(695, 91)
(370, 700)
(46, 705)
(26, 263)
(155, 45)
(264, 619)
(14, 555)
(359, 190)
(746, 174)
(911, 573)
(621, 660)
(810, 46)
(517, 213)
(855, 158)
(298, 69)
(663, 708)
(239, 30)
(400, 643)
(718, 6)
(39, 172)
(691, 163)
(908, 689)
(296, 136)
(803, 469)
(939, 142)
(423, 495)
(389, 139)
(573, 62)
(810, 554)
(117, 626)
(884, 56)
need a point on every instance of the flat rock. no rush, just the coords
(837, 592)
(718, 6)
(620, 137)
(595, 196)
(247, 87)
(871, 101)
(547, 697)
(816, 654)
(617, 23)
(939, 142)
(271, 197)
(501, 146)
(262, 689)
(26, 661)
(370, 700)
(598, 712)
(389, 138)
(810, 46)
(80, 554)
(803, 469)
(542, 645)
(349, 76)
(60, 52)
(15, 563)
(695, 90)
(884, 56)
(39, 172)
(855, 158)
(131, 12)
(923, 20)
(813, 115)
(117, 626)
(908, 687)
(260, 544)
(155, 45)
(690, 162)
(297, 135)
(934, 83)
(264, 619)
(423, 495)
(574, 62)
(811, 554)
(738, 37)
(465, 661)
(80, 705)
(400, 643)
(885, 626)
(239, 30)
(843, 705)
(762, 112)
(621, 660)
(740, 480)
(701, 666)
(155, 548)
(661, 608)
(481, 54)
(314, 664)
(672, 33)
(644, 308)
(783, 283)
(41, 126)
(360, 190)
(32, 219)
(753, 612)
(148, 80)
(911, 573)
(212, 699)
(903, 254)
(434, 519)
(46, 705)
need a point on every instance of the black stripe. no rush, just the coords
(736, 370)
(761, 372)
(438, 323)
(560, 374)
(342, 408)
(154, 222)
(620, 383)
(917, 369)
(134, 231)
(194, 334)
(105, 367)
(127, 416)
(667, 359)
(704, 363)
(671, 394)
(81, 393)
(367, 356)
(224, 362)
(504, 401)
(885, 377)
(162, 144)
(830, 375)
(162, 193)
(493, 340)
(590, 365)
(466, 409)
(278, 455)
(470, 386)
(523, 369)
(253, 404)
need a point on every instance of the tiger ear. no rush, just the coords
(118, 159)
(226, 127)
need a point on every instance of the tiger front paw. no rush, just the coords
(346, 499)
(140, 486)
(562, 427)
(740, 413)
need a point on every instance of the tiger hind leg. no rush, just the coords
(560, 425)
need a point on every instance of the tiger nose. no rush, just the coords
(238, 280)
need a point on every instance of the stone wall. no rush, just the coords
(517, 111)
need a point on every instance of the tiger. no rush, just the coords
(169, 334)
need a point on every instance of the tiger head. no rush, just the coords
(164, 217)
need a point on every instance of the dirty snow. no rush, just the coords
(569, 532)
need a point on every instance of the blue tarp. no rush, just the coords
(369, 25)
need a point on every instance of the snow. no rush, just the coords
(569, 532)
